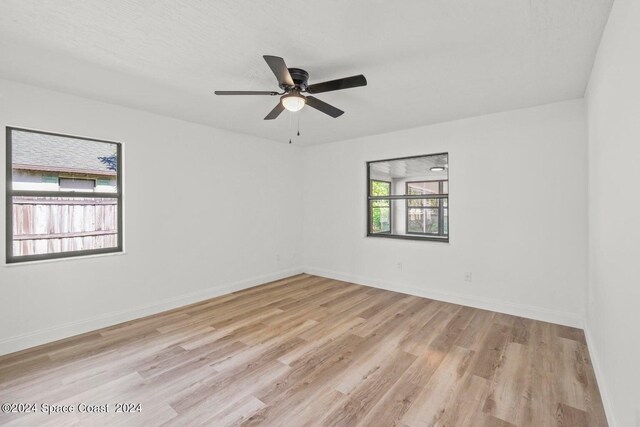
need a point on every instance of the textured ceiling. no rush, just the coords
(426, 61)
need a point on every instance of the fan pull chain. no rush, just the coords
(290, 127)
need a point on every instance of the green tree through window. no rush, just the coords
(381, 209)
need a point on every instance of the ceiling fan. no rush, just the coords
(293, 82)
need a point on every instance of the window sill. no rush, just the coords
(410, 237)
(66, 259)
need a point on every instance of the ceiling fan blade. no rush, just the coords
(275, 112)
(339, 84)
(280, 69)
(244, 92)
(324, 107)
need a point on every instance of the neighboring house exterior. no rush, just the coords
(74, 165)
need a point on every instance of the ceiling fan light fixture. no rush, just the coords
(293, 81)
(293, 101)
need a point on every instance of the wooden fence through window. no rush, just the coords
(44, 225)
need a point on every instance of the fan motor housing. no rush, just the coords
(299, 76)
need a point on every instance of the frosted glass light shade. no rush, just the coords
(293, 102)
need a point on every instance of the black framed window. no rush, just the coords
(63, 196)
(408, 197)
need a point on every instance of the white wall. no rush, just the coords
(192, 229)
(518, 200)
(613, 321)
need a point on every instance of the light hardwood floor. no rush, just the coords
(313, 351)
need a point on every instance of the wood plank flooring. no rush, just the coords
(309, 351)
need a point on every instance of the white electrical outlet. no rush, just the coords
(467, 276)
(400, 266)
(277, 257)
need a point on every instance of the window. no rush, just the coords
(77, 184)
(64, 196)
(409, 197)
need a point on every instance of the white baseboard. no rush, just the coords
(595, 362)
(531, 312)
(54, 333)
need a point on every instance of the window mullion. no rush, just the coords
(409, 196)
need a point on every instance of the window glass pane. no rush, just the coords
(380, 218)
(74, 184)
(44, 225)
(445, 223)
(43, 162)
(422, 220)
(423, 202)
(380, 203)
(380, 188)
(420, 168)
(424, 187)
